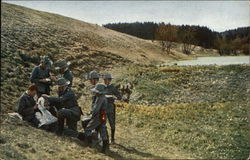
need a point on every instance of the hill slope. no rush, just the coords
(205, 119)
(201, 110)
(192, 121)
(47, 30)
(27, 34)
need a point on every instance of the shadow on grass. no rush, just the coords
(132, 150)
(111, 154)
(117, 155)
(97, 148)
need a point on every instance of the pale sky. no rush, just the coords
(217, 15)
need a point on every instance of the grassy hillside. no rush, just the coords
(49, 31)
(214, 124)
(175, 112)
(27, 34)
(202, 110)
(187, 84)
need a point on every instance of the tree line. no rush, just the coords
(231, 42)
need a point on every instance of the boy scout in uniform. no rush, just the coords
(93, 78)
(69, 109)
(27, 106)
(40, 76)
(63, 68)
(112, 94)
(98, 117)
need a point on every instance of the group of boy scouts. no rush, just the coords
(65, 106)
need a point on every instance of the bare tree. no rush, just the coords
(167, 34)
(188, 40)
(224, 46)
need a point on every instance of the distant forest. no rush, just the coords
(231, 42)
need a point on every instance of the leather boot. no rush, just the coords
(112, 136)
(88, 140)
(105, 146)
(60, 126)
(81, 136)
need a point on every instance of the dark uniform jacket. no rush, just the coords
(37, 74)
(26, 106)
(66, 99)
(99, 104)
(68, 75)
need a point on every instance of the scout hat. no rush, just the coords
(107, 76)
(62, 64)
(62, 82)
(46, 60)
(99, 88)
(93, 75)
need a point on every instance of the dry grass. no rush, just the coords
(207, 131)
(177, 131)
(20, 141)
(180, 84)
(185, 112)
(77, 34)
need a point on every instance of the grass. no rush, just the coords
(214, 125)
(204, 131)
(20, 141)
(208, 131)
(176, 84)
(28, 34)
(203, 111)
(175, 112)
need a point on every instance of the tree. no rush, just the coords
(145, 30)
(167, 34)
(187, 38)
(245, 48)
(236, 45)
(224, 46)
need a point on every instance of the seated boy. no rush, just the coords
(27, 106)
